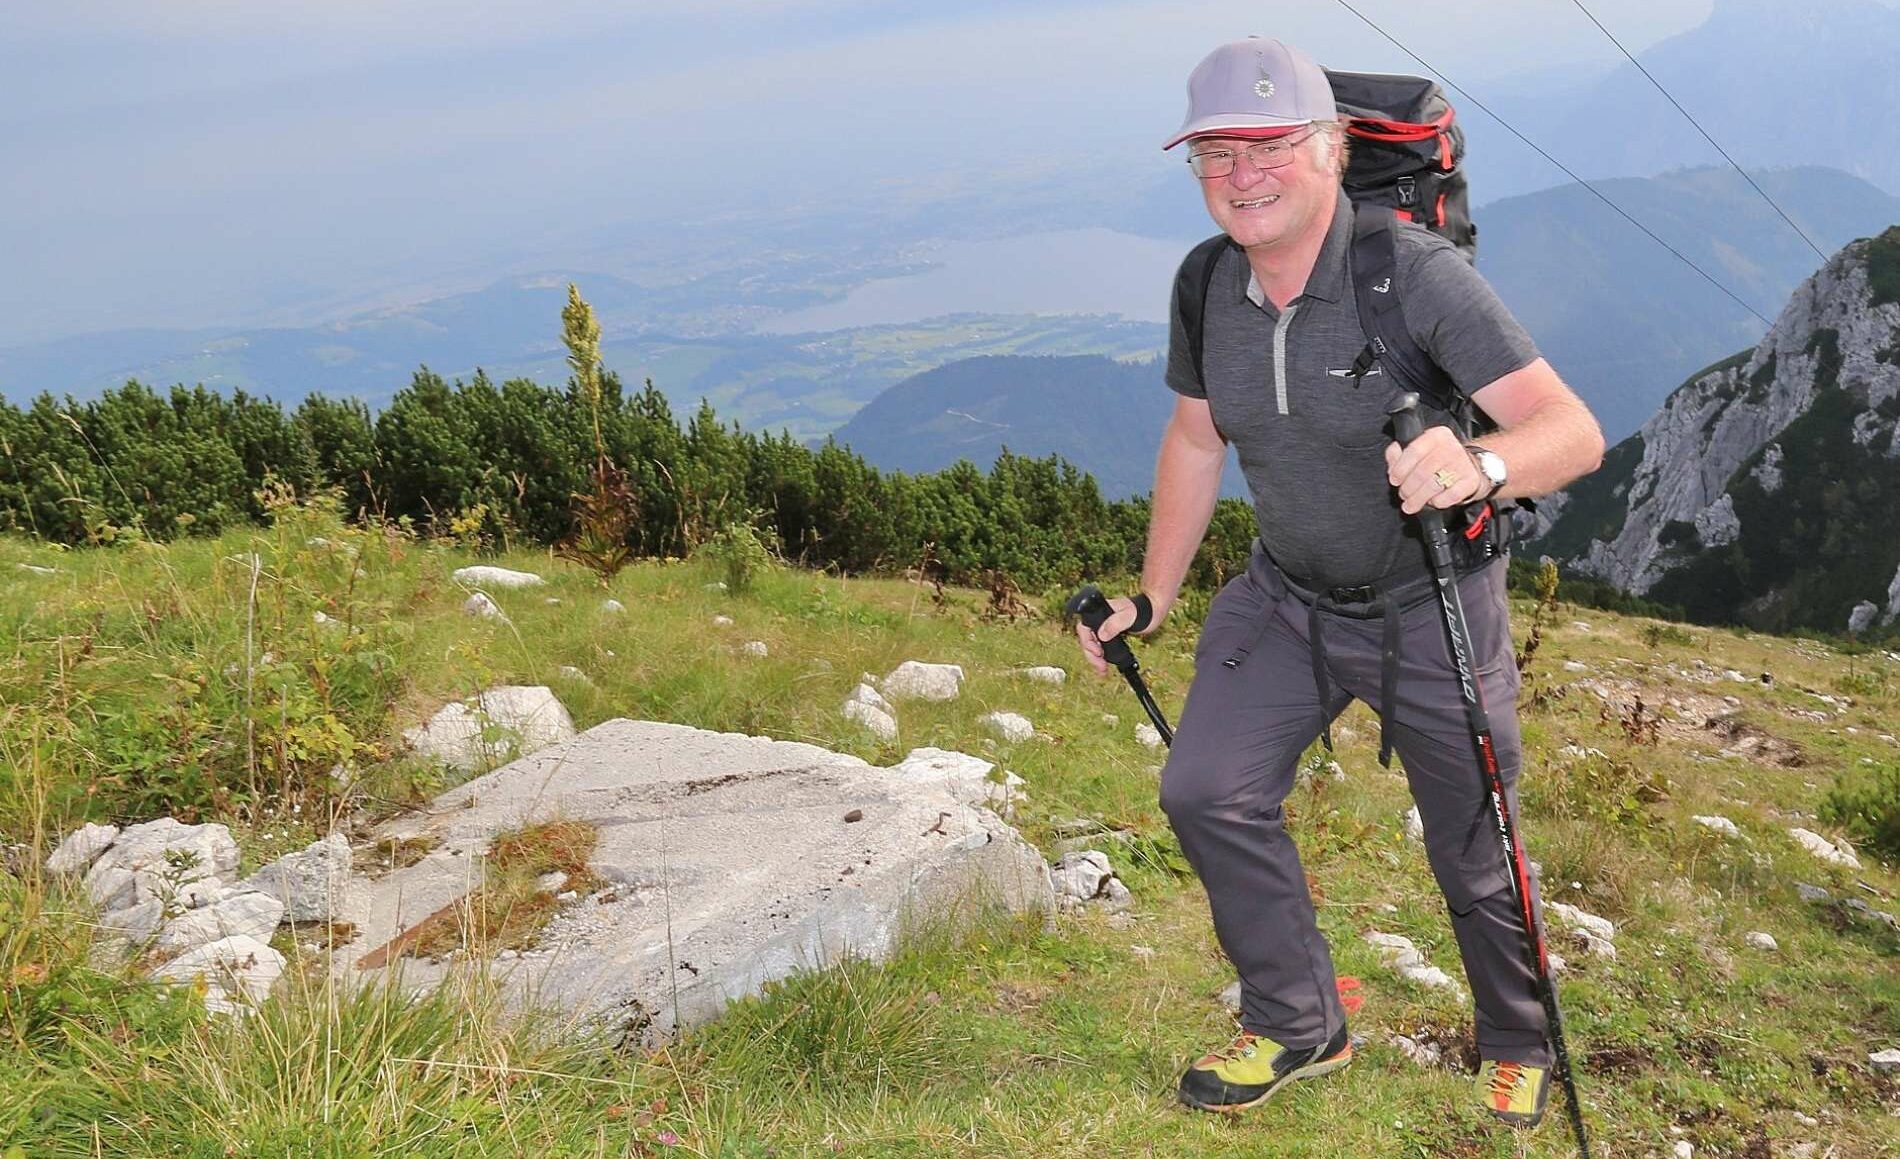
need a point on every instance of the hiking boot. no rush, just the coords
(1250, 1069)
(1514, 1091)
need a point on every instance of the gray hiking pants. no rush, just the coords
(1255, 706)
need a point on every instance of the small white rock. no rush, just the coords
(1082, 875)
(755, 648)
(1832, 852)
(1148, 735)
(1142, 953)
(881, 723)
(1684, 1149)
(1575, 666)
(1009, 726)
(37, 569)
(1414, 825)
(483, 575)
(480, 605)
(1721, 825)
(1760, 940)
(612, 605)
(1581, 919)
(722, 621)
(916, 680)
(1885, 1060)
(1045, 674)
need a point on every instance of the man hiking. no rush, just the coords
(1337, 602)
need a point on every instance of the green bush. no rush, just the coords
(1867, 803)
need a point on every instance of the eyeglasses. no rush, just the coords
(1272, 154)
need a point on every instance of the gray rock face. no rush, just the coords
(80, 847)
(310, 884)
(1893, 598)
(736, 861)
(1861, 617)
(1711, 426)
(502, 722)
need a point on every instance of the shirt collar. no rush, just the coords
(1329, 268)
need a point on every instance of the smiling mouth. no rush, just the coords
(1257, 202)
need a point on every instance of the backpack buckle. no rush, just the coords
(1408, 191)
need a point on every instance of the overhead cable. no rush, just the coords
(1698, 128)
(1600, 196)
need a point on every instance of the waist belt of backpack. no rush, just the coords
(1388, 602)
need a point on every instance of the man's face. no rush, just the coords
(1266, 207)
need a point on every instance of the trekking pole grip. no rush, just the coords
(1406, 426)
(1092, 608)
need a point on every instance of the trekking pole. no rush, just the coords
(1092, 608)
(1406, 427)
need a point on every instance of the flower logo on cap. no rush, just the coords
(1264, 87)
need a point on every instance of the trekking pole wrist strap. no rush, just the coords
(1144, 613)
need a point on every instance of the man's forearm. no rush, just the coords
(1187, 481)
(1549, 449)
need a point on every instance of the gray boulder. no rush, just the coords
(76, 853)
(237, 972)
(916, 680)
(528, 718)
(308, 884)
(253, 915)
(164, 860)
(734, 861)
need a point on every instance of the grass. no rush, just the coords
(146, 679)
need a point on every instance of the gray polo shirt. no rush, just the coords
(1312, 442)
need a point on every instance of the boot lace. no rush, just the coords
(1507, 1078)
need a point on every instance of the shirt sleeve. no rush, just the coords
(1455, 315)
(1180, 375)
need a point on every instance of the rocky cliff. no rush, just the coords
(1764, 490)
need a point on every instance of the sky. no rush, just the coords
(217, 162)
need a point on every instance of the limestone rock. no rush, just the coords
(483, 575)
(880, 723)
(1760, 940)
(1583, 920)
(253, 915)
(1148, 735)
(36, 569)
(916, 680)
(1832, 852)
(310, 883)
(1887, 1061)
(162, 859)
(1082, 875)
(1861, 617)
(865, 694)
(528, 717)
(1414, 825)
(731, 861)
(1403, 958)
(480, 605)
(612, 606)
(1721, 825)
(1045, 674)
(238, 973)
(722, 621)
(80, 847)
(1812, 894)
(1009, 726)
(755, 649)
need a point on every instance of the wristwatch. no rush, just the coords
(1491, 465)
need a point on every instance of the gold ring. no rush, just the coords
(1443, 478)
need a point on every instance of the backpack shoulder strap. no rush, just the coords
(1376, 291)
(1190, 292)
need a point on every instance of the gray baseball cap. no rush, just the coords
(1255, 84)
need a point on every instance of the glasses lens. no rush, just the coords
(1270, 154)
(1213, 163)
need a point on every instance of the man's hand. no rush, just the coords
(1435, 471)
(1112, 627)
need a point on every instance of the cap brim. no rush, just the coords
(1235, 124)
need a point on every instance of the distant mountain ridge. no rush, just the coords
(1765, 488)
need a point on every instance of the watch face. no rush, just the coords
(1492, 464)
